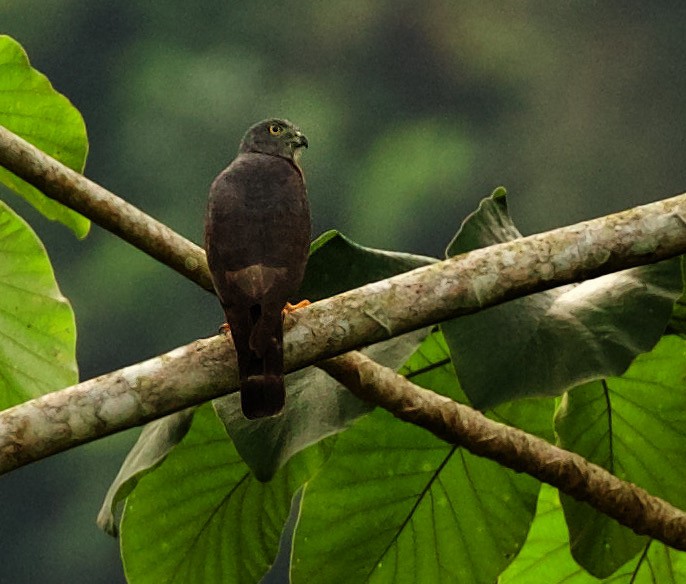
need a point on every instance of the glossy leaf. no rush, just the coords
(546, 343)
(37, 328)
(635, 426)
(32, 109)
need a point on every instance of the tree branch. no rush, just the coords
(459, 424)
(463, 285)
(75, 191)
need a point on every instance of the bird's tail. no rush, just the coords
(261, 370)
(262, 395)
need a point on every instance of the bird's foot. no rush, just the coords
(225, 328)
(289, 308)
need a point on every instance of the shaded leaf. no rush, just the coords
(635, 426)
(203, 517)
(337, 264)
(153, 445)
(32, 109)
(677, 322)
(37, 328)
(316, 405)
(546, 343)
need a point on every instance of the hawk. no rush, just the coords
(257, 236)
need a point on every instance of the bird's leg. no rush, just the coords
(289, 308)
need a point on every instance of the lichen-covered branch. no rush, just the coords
(74, 190)
(459, 424)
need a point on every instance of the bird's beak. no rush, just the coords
(300, 140)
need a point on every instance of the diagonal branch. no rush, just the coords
(463, 285)
(459, 424)
(75, 191)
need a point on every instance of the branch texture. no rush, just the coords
(458, 424)
(462, 285)
(205, 369)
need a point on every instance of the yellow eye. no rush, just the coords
(275, 129)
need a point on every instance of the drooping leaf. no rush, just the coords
(395, 504)
(316, 405)
(635, 426)
(37, 328)
(201, 516)
(156, 441)
(32, 109)
(546, 343)
(337, 264)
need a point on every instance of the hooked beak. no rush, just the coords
(300, 140)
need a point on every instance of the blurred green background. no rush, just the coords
(414, 111)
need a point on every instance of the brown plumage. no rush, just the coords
(257, 234)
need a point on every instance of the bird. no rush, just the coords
(257, 238)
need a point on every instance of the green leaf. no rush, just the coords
(316, 405)
(32, 109)
(337, 264)
(546, 343)
(38, 332)
(395, 504)
(546, 557)
(634, 426)
(202, 517)
(156, 441)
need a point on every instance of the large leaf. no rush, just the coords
(316, 405)
(156, 441)
(546, 343)
(37, 328)
(203, 517)
(337, 264)
(546, 556)
(635, 426)
(395, 504)
(31, 108)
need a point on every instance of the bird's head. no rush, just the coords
(276, 137)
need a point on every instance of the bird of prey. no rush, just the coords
(257, 235)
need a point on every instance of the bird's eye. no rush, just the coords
(275, 129)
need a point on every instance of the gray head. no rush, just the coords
(276, 137)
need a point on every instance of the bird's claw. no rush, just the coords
(290, 308)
